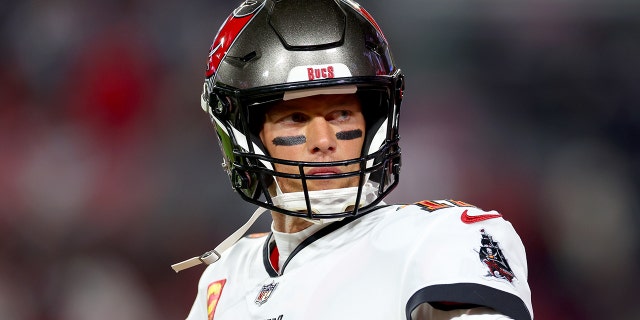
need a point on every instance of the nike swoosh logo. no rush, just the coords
(466, 218)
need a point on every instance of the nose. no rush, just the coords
(321, 136)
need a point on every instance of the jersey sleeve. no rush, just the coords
(464, 258)
(199, 308)
(427, 312)
(219, 281)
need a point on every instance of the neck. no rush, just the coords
(288, 224)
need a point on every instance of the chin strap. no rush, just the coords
(323, 201)
(212, 256)
(326, 201)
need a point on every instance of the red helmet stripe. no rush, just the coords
(227, 34)
(366, 14)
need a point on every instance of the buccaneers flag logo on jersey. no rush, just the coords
(492, 257)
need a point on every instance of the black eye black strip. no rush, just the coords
(296, 140)
(349, 135)
(289, 141)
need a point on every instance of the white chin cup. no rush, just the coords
(327, 201)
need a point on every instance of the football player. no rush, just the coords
(305, 99)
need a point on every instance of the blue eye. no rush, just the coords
(341, 115)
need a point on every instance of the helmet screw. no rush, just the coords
(216, 104)
(396, 168)
(240, 180)
(219, 109)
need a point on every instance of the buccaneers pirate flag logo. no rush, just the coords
(492, 257)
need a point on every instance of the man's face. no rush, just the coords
(320, 128)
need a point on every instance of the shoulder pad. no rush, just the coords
(466, 212)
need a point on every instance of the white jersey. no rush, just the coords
(438, 255)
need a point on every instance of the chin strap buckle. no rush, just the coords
(208, 257)
(214, 255)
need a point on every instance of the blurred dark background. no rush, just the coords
(110, 171)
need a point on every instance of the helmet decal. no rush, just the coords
(229, 31)
(317, 72)
(248, 7)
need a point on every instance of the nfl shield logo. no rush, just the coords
(265, 293)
